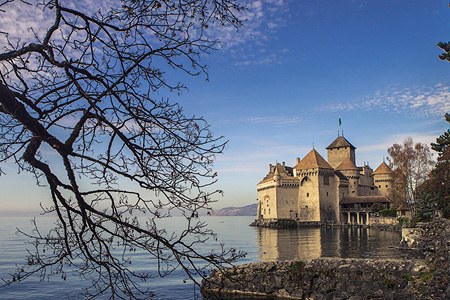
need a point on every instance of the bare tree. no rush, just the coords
(412, 163)
(86, 92)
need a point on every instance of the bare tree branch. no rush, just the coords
(86, 90)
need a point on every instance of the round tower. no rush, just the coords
(382, 177)
(276, 175)
(348, 168)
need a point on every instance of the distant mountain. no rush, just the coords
(248, 210)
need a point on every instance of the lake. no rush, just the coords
(261, 244)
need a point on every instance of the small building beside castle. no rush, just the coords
(319, 191)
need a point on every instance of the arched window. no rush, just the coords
(305, 179)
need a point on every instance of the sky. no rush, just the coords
(277, 87)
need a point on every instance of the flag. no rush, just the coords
(340, 121)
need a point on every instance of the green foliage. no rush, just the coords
(408, 276)
(436, 189)
(388, 212)
(446, 47)
(425, 208)
(443, 141)
(376, 207)
(426, 276)
(406, 222)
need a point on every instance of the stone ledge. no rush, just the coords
(324, 278)
(336, 278)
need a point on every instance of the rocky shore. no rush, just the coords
(281, 224)
(336, 278)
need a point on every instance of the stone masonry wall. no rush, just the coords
(324, 278)
(336, 278)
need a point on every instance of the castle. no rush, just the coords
(318, 191)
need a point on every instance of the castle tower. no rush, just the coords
(338, 150)
(348, 168)
(278, 194)
(317, 193)
(383, 179)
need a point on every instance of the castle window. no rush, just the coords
(379, 186)
(326, 180)
(327, 194)
(386, 185)
(269, 211)
(307, 194)
(264, 211)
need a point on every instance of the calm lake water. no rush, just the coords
(261, 244)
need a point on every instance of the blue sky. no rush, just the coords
(279, 85)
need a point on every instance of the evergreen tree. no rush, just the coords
(438, 186)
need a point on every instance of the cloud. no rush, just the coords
(21, 23)
(273, 120)
(374, 153)
(263, 120)
(422, 101)
(255, 162)
(262, 20)
(262, 57)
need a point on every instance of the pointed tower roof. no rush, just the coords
(347, 165)
(297, 164)
(383, 168)
(339, 142)
(313, 160)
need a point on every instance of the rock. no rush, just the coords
(337, 278)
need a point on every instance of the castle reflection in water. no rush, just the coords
(308, 243)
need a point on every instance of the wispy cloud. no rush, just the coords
(256, 162)
(418, 137)
(273, 120)
(424, 101)
(21, 23)
(262, 20)
(262, 57)
(374, 153)
(262, 120)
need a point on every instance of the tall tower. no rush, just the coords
(338, 150)
(317, 193)
(348, 168)
(278, 193)
(382, 177)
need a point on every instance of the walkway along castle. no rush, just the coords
(318, 191)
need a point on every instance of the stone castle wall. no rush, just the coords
(267, 195)
(287, 198)
(308, 197)
(337, 155)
